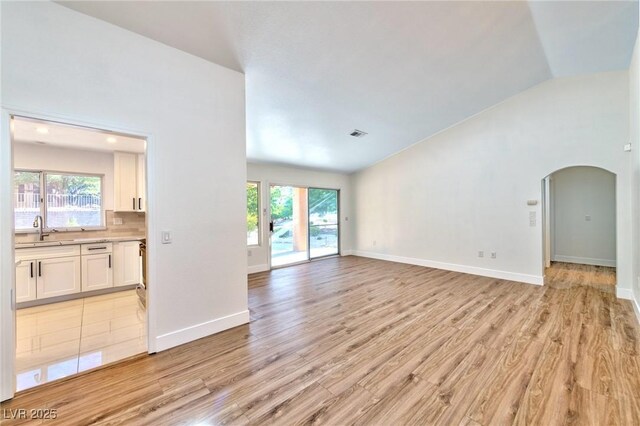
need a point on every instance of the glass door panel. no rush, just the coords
(289, 225)
(323, 222)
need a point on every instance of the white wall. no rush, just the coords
(42, 157)
(57, 63)
(267, 174)
(634, 160)
(466, 189)
(584, 216)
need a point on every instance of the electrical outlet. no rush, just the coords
(249, 253)
(375, 242)
(493, 255)
(587, 218)
(117, 221)
(481, 254)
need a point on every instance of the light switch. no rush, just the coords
(166, 237)
(587, 218)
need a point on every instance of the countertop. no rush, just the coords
(78, 241)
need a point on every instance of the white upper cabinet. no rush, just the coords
(141, 182)
(130, 182)
(125, 180)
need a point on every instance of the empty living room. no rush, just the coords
(320, 212)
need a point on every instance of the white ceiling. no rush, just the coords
(401, 71)
(62, 136)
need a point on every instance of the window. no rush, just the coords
(253, 214)
(69, 201)
(26, 201)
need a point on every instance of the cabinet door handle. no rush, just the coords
(97, 248)
(134, 202)
(39, 269)
(109, 261)
(140, 203)
(31, 269)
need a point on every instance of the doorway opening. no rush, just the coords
(80, 206)
(579, 228)
(304, 224)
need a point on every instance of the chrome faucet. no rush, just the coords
(37, 223)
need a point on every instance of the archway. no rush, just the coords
(579, 228)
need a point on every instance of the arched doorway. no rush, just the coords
(579, 228)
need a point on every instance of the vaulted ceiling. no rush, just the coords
(400, 71)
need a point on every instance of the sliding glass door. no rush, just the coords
(323, 222)
(304, 224)
(289, 225)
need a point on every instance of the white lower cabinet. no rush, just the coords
(52, 271)
(97, 271)
(26, 281)
(126, 257)
(58, 276)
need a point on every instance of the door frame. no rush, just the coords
(7, 250)
(267, 200)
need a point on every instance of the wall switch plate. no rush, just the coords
(117, 221)
(375, 242)
(249, 253)
(166, 237)
(587, 218)
(627, 147)
(480, 254)
(493, 255)
(532, 219)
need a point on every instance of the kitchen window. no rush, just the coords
(253, 214)
(66, 201)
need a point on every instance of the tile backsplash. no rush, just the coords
(133, 224)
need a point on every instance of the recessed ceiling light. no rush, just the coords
(358, 133)
(42, 130)
(111, 139)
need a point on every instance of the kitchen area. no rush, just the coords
(80, 249)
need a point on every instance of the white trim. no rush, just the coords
(636, 309)
(347, 253)
(474, 270)
(198, 331)
(7, 262)
(257, 268)
(624, 293)
(7, 284)
(584, 260)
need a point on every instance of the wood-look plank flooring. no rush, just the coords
(567, 275)
(360, 341)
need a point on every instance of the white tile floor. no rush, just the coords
(61, 339)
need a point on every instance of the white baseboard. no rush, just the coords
(584, 260)
(636, 309)
(474, 270)
(624, 293)
(257, 268)
(179, 337)
(346, 253)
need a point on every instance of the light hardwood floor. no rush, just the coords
(566, 275)
(354, 340)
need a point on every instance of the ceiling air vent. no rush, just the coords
(358, 133)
